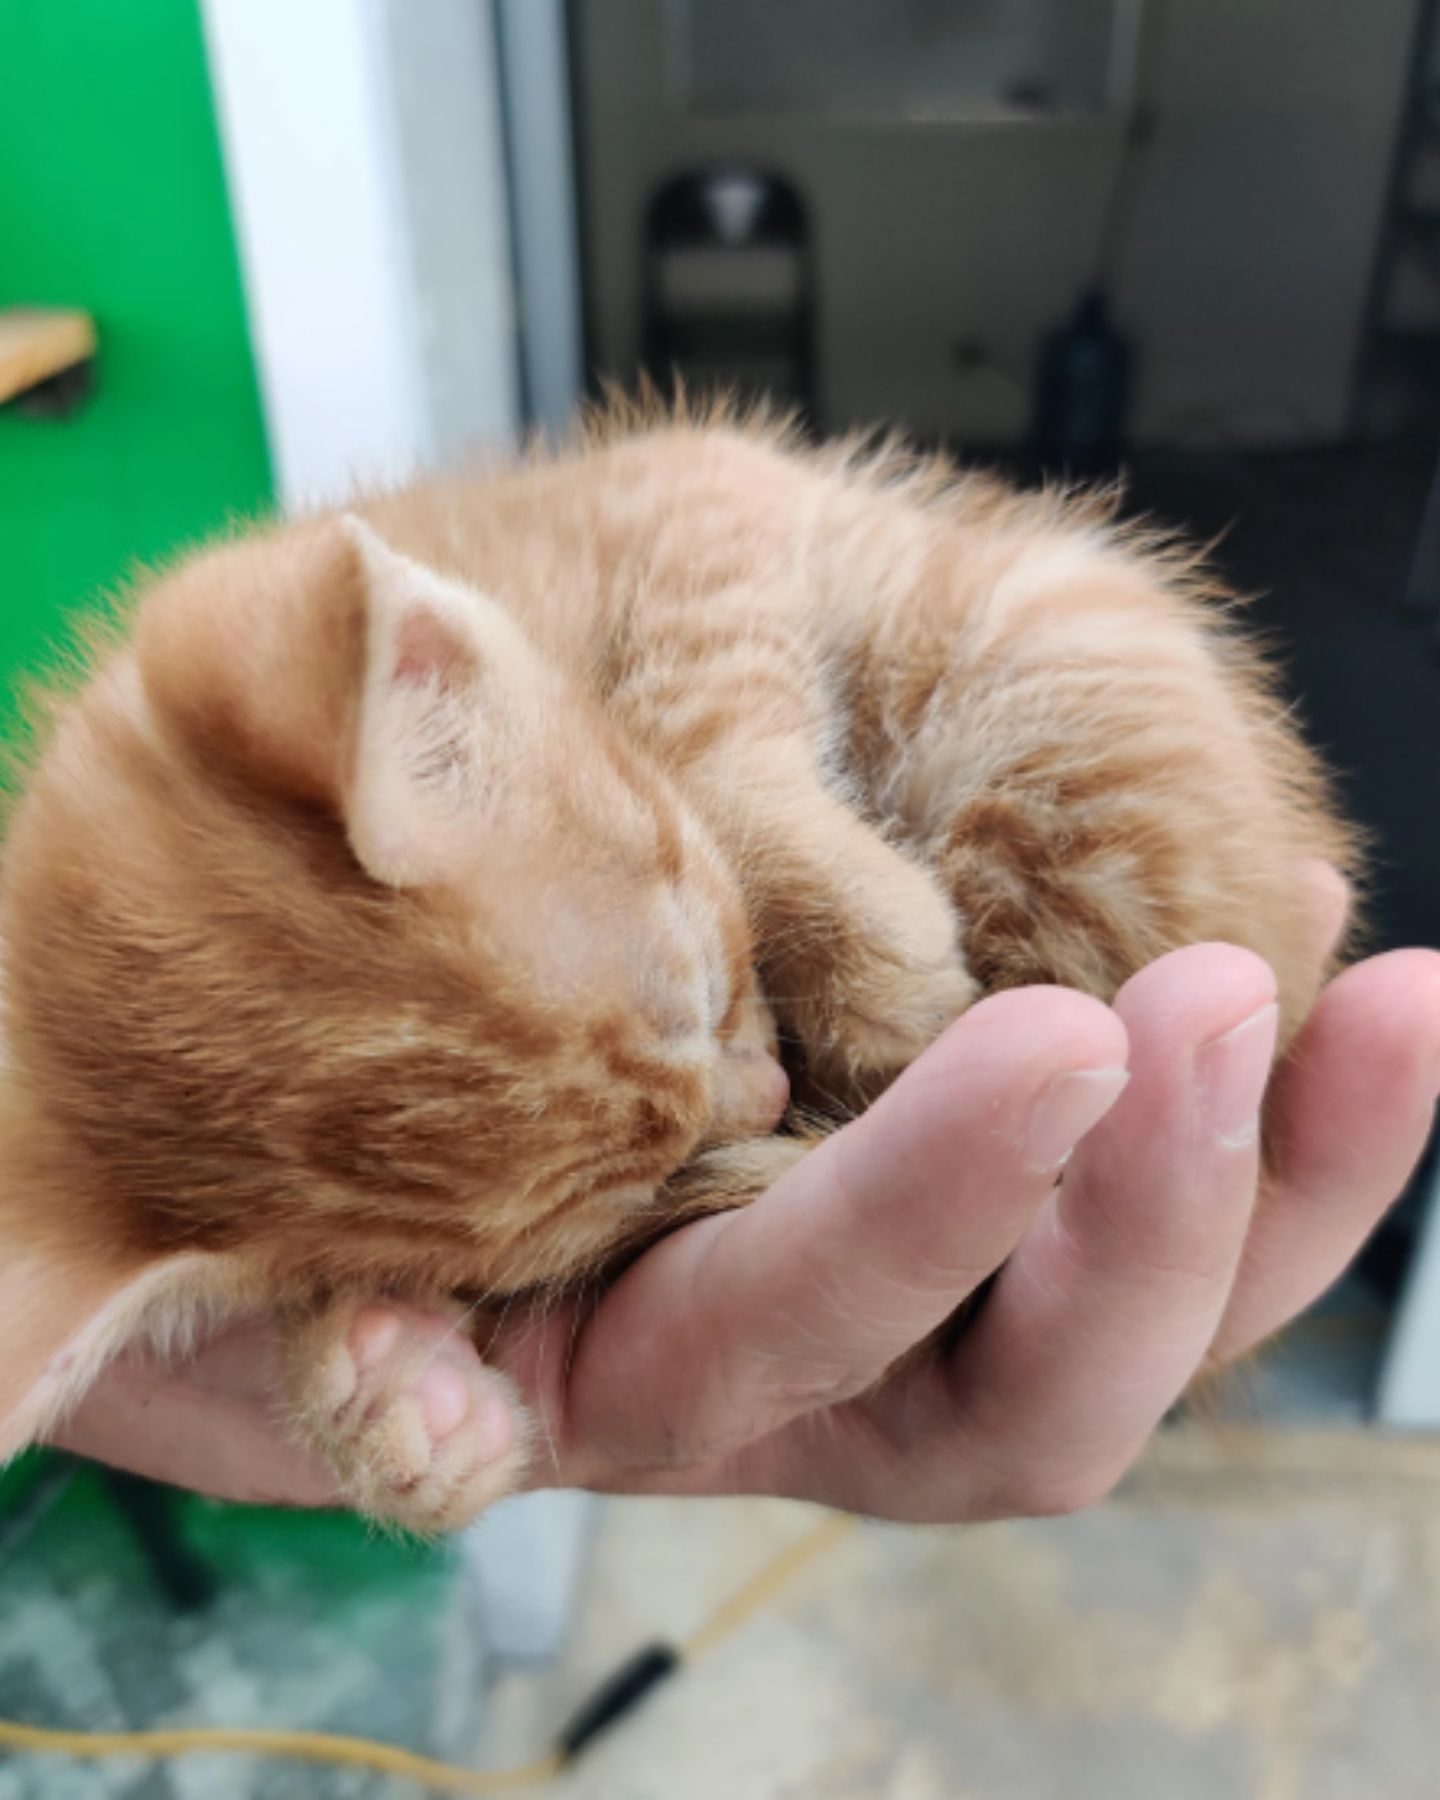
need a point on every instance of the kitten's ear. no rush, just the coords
(317, 661)
(450, 718)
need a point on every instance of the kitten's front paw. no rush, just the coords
(885, 1011)
(877, 980)
(419, 1432)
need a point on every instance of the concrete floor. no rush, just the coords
(1255, 1617)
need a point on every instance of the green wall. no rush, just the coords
(112, 198)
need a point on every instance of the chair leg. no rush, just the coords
(51, 1485)
(150, 1512)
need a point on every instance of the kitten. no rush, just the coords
(414, 892)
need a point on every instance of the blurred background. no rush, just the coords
(253, 251)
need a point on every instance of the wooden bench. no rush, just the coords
(39, 343)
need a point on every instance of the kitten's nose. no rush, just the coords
(751, 1093)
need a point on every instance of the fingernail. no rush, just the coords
(1230, 1074)
(444, 1399)
(1065, 1111)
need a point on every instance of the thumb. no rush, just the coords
(738, 1324)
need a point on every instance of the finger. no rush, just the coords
(1352, 1110)
(210, 1424)
(1101, 1317)
(737, 1324)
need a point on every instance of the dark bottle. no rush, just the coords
(1082, 395)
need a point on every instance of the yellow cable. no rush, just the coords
(388, 1759)
(305, 1746)
(761, 1589)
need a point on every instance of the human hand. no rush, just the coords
(773, 1350)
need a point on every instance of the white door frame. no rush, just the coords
(365, 157)
(535, 79)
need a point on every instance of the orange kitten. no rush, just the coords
(390, 913)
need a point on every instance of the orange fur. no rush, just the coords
(390, 911)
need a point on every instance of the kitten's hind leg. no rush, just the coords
(419, 1431)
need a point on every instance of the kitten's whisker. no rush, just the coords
(454, 1329)
(546, 1428)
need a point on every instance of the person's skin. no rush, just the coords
(756, 1352)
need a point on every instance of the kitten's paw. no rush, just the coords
(419, 1432)
(885, 1011)
(881, 981)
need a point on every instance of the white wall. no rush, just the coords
(439, 67)
(363, 153)
(1261, 210)
(1248, 266)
